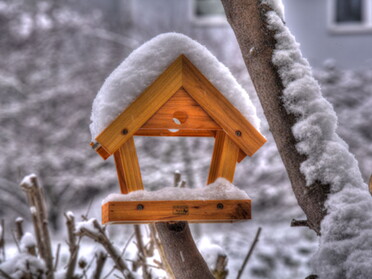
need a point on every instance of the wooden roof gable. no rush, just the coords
(181, 83)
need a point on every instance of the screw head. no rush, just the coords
(220, 206)
(124, 132)
(140, 206)
(238, 133)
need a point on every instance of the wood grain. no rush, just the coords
(220, 109)
(142, 108)
(170, 210)
(179, 133)
(189, 115)
(225, 155)
(128, 169)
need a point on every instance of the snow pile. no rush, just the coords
(221, 189)
(276, 5)
(22, 265)
(210, 252)
(346, 241)
(27, 180)
(147, 62)
(87, 225)
(27, 241)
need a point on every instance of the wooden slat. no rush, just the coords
(184, 108)
(170, 210)
(241, 156)
(128, 168)
(220, 109)
(225, 155)
(142, 108)
(180, 133)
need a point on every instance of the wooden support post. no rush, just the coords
(128, 168)
(225, 155)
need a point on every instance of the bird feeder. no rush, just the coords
(181, 102)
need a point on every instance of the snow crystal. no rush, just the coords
(33, 210)
(346, 241)
(276, 5)
(19, 220)
(210, 252)
(27, 241)
(147, 62)
(219, 190)
(27, 180)
(88, 225)
(70, 214)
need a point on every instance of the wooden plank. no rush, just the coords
(179, 133)
(128, 169)
(224, 158)
(241, 156)
(130, 120)
(171, 210)
(220, 109)
(181, 112)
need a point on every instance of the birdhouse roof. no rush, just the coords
(141, 68)
(156, 95)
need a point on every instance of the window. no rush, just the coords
(350, 15)
(208, 12)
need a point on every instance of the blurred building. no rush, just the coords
(326, 29)
(332, 29)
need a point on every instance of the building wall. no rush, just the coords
(308, 21)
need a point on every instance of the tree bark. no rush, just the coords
(181, 251)
(257, 42)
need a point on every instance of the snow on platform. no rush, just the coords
(219, 190)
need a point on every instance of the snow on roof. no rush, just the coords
(221, 189)
(346, 240)
(147, 62)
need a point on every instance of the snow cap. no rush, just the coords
(150, 60)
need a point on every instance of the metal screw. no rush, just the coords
(238, 133)
(140, 206)
(124, 132)
(220, 206)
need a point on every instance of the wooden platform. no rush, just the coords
(201, 211)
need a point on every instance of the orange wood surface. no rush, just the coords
(179, 133)
(204, 98)
(128, 168)
(171, 210)
(186, 112)
(220, 109)
(225, 155)
(142, 108)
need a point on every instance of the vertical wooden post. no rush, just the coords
(128, 168)
(225, 155)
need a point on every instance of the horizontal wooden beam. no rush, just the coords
(174, 133)
(195, 211)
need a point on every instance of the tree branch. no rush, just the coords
(248, 20)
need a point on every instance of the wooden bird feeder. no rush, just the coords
(180, 98)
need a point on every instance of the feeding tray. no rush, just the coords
(180, 102)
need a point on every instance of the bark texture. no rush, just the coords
(247, 19)
(181, 251)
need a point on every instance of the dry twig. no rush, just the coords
(36, 200)
(249, 253)
(100, 262)
(220, 271)
(72, 244)
(99, 236)
(2, 240)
